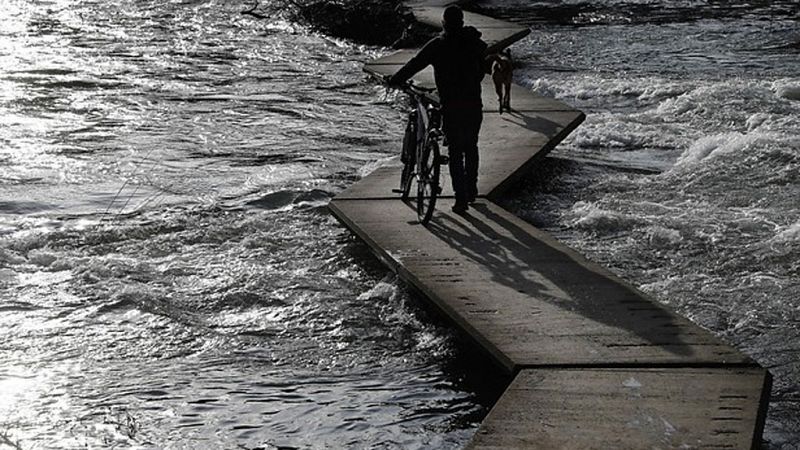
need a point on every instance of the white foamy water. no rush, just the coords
(170, 277)
(684, 177)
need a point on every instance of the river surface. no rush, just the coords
(170, 276)
(685, 177)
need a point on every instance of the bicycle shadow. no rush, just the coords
(547, 274)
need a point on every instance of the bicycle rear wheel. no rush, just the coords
(408, 156)
(428, 181)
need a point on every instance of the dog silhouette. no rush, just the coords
(502, 73)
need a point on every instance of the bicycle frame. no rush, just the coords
(428, 120)
(421, 163)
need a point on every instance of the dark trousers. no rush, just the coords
(461, 127)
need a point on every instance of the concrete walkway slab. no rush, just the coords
(499, 38)
(432, 16)
(497, 34)
(526, 298)
(666, 408)
(509, 144)
(597, 363)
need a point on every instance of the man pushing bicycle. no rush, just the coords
(457, 56)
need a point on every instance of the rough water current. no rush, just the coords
(170, 276)
(685, 177)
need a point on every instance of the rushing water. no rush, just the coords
(685, 177)
(170, 277)
(169, 273)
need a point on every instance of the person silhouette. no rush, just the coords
(457, 56)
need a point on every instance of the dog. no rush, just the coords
(502, 67)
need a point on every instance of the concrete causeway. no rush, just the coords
(596, 363)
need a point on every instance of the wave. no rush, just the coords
(784, 243)
(788, 89)
(283, 198)
(710, 147)
(15, 306)
(23, 207)
(593, 218)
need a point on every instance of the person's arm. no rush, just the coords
(488, 58)
(420, 61)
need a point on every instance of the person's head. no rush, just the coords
(453, 18)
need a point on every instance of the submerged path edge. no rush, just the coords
(665, 389)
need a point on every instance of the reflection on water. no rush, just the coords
(169, 274)
(213, 327)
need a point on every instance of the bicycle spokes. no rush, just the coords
(427, 181)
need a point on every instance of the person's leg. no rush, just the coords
(453, 127)
(472, 130)
(457, 173)
(508, 95)
(498, 89)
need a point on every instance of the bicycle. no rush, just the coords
(420, 156)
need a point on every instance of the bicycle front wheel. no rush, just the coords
(408, 156)
(428, 181)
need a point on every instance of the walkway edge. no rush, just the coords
(596, 364)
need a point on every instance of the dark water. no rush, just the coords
(170, 277)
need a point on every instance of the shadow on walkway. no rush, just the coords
(544, 273)
(535, 122)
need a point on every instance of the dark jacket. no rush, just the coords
(458, 66)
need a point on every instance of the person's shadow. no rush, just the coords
(535, 122)
(569, 297)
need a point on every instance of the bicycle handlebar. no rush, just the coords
(409, 86)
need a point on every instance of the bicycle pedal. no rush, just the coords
(397, 191)
(438, 190)
(444, 159)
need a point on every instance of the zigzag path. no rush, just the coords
(595, 362)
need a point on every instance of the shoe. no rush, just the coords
(471, 199)
(460, 208)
